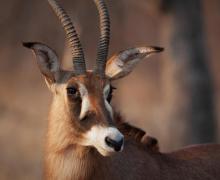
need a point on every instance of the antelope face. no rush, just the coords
(87, 98)
(86, 95)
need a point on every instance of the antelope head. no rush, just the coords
(86, 94)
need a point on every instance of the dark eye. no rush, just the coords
(110, 95)
(72, 91)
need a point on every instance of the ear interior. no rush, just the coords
(47, 60)
(124, 62)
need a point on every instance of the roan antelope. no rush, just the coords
(83, 139)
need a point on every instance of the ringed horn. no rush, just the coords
(74, 42)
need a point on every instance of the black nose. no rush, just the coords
(116, 145)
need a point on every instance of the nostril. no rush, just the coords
(116, 145)
(109, 141)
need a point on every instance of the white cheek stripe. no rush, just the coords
(86, 105)
(109, 108)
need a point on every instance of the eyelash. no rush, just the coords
(110, 95)
(73, 92)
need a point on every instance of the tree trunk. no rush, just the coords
(190, 100)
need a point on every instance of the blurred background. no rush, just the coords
(174, 96)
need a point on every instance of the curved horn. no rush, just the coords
(104, 37)
(71, 34)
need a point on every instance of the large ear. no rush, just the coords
(47, 60)
(124, 62)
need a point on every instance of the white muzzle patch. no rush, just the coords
(96, 137)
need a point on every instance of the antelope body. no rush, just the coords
(84, 138)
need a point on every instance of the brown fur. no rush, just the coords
(136, 134)
(68, 157)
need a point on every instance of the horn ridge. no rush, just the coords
(104, 39)
(72, 36)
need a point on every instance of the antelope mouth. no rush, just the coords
(107, 140)
(105, 153)
(108, 151)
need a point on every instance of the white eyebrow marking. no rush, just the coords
(86, 105)
(106, 92)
